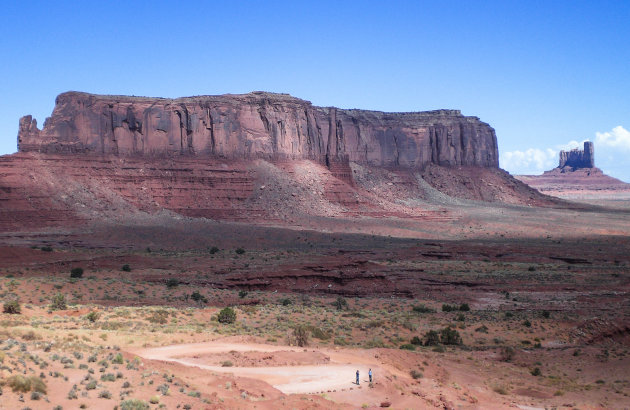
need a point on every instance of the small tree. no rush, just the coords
(58, 302)
(450, 336)
(431, 338)
(126, 268)
(76, 272)
(300, 334)
(12, 307)
(340, 303)
(227, 315)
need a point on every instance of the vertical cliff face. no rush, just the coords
(258, 125)
(577, 158)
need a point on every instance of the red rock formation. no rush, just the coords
(576, 177)
(258, 125)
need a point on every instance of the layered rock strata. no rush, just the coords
(258, 125)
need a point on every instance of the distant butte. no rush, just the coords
(577, 177)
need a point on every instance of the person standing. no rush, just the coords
(370, 374)
(357, 377)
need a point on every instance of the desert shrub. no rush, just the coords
(318, 333)
(92, 316)
(12, 307)
(35, 395)
(126, 268)
(408, 346)
(482, 329)
(198, 297)
(546, 314)
(46, 248)
(509, 314)
(450, 336)
(300, 334)
(242, 293)
(449, 308)
(285, 302)
(527, 323)
(340, 303)
(158, 316)
(227, 363)
(240, 251)
(134, 404)
(214, 250)
(431, 338)
(118, 359)
(416, 374)
(506, 354)
(91, 385)
(104, 394)
(154, 400)
(536, 371)
(464, 307)
(531, 269)
(19, 383)
(460, 317)
(422, 309)
(227, 315)
(76, 272)
(171, 283)
(108, 377)
(58, 302)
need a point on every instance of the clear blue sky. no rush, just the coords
(541, 73)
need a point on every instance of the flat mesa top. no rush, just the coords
(254, 96)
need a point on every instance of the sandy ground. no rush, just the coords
(338, 374)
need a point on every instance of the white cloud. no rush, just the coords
(610, 152)
(618, 138)
(531, 161)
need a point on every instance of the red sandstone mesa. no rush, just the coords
(258, 125)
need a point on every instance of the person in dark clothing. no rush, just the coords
(357, 377)
(370, 374)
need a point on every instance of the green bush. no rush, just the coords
(416, 374)
(76, 272)
(19, 383)
(300, 334)
(242, 293)
(408, 346)
(12, 307)
(172, 282)
(450, 336)
(240, 251)
(340, 303)
(118, 359)
(198, 297)
(227, 315)
(536, 371)
(58, 302)
(422, 309)
(416, 341)
(431, 338)
(449, 308)
(46, 248)
(286, 302)
(126, 268)
(214, 250)
(92, 316)
(134, 404)
(464, 307)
